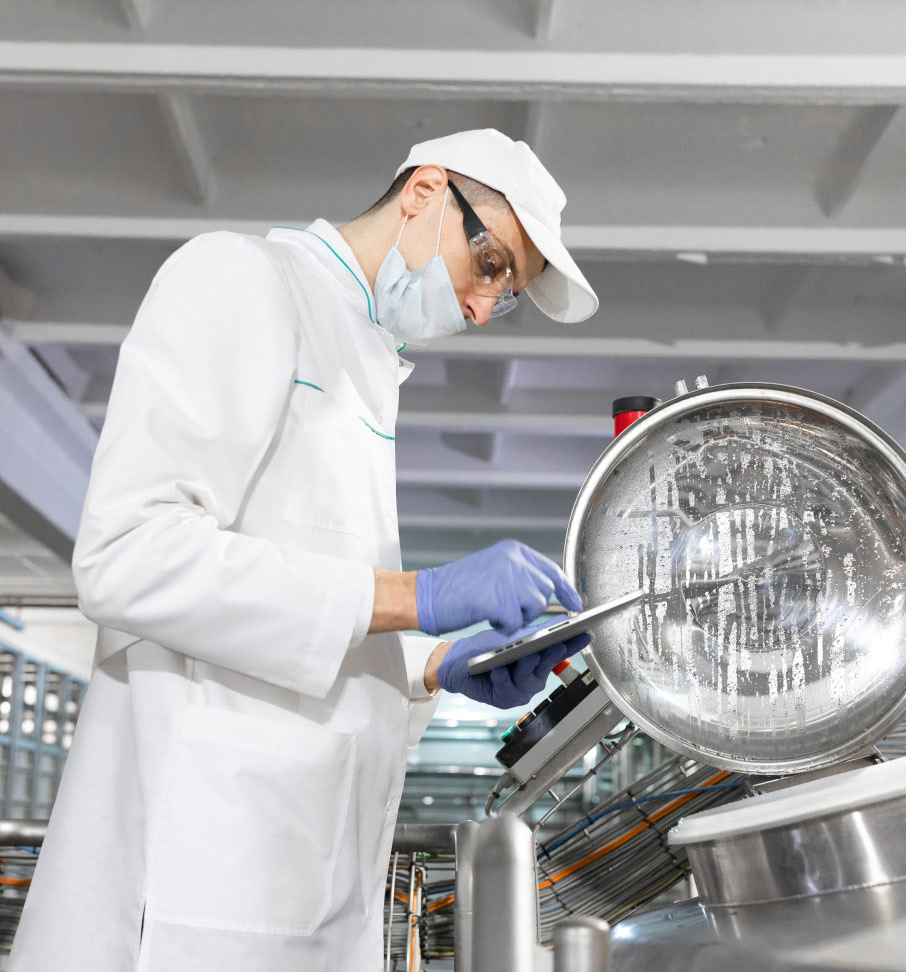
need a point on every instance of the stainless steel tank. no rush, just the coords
(810, 877)
(767, 525)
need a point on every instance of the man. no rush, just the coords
(229, 800)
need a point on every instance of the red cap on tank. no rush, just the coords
(627, 410)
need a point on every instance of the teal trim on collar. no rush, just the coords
(383, 435)
(345, 264)
(402, 349)
(310, 384)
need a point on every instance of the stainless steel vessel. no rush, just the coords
(810, 877)
(768, 526)
(828, 835)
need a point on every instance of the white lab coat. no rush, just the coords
(229, 801)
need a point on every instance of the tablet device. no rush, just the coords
(553, 635)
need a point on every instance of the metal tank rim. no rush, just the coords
(735, 393)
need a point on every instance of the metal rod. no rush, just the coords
(505, 882)
(582, 945)
(22, 833)
(465, 836)
(409, 838)
(396, 860)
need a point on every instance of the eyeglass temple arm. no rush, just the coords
(473, 225)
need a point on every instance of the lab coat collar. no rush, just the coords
(333, 253)
(326, 243)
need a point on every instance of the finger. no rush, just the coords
(551, 657)
(501, 679)
(523, 672)
(567, 594)
(529, 592)
(577, 643)
(507, 693)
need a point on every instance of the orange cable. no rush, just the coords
(437, 905)
(614, 844)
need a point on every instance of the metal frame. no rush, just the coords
(15, 743)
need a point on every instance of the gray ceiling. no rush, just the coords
(736, 174)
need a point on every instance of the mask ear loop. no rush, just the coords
(400, 235)
(440, 225)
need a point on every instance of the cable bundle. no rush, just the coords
(619, 858)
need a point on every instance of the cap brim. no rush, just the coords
(560, 290)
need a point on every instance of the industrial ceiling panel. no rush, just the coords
(309, 156)
(727, 164)
(78, 151)
(731, 26)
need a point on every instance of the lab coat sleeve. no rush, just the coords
(422, 703)
(201, 388)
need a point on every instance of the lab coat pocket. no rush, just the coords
(329, 486)
(252, 823)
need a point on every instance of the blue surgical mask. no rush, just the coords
(417, 306)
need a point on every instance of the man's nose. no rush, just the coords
(479, 308)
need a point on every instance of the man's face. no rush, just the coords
(454, 247)
(423, 202)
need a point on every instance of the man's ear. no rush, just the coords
(422, 188)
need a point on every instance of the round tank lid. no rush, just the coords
(818, 798)
(767, 526)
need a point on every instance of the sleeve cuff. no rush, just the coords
(366, 612)
(417, 651)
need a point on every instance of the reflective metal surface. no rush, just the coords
(465, 836)
(410, 838)
(504, 897)
(857, 930)
(582, 945)
(860, 848)
(768, 525)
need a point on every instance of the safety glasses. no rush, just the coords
(492, 259)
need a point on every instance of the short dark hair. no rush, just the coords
(477, 193)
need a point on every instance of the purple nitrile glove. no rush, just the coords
(508, 585)
(510, 685)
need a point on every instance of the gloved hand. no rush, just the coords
(508, 585)
(509, 685)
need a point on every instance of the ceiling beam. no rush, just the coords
(784, 287)
(487, 476)
(473, 74)
(182, 124)
(71, 376)
(533, 346)
(469, 422)
(15, 299)
(883, 399)
(46, 446)
(528, 346)
(734, 244)
(846, 164)
(137, 13)
(478, 520)
(35, 333)
(543, 16)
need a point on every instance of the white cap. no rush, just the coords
(489, 157)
